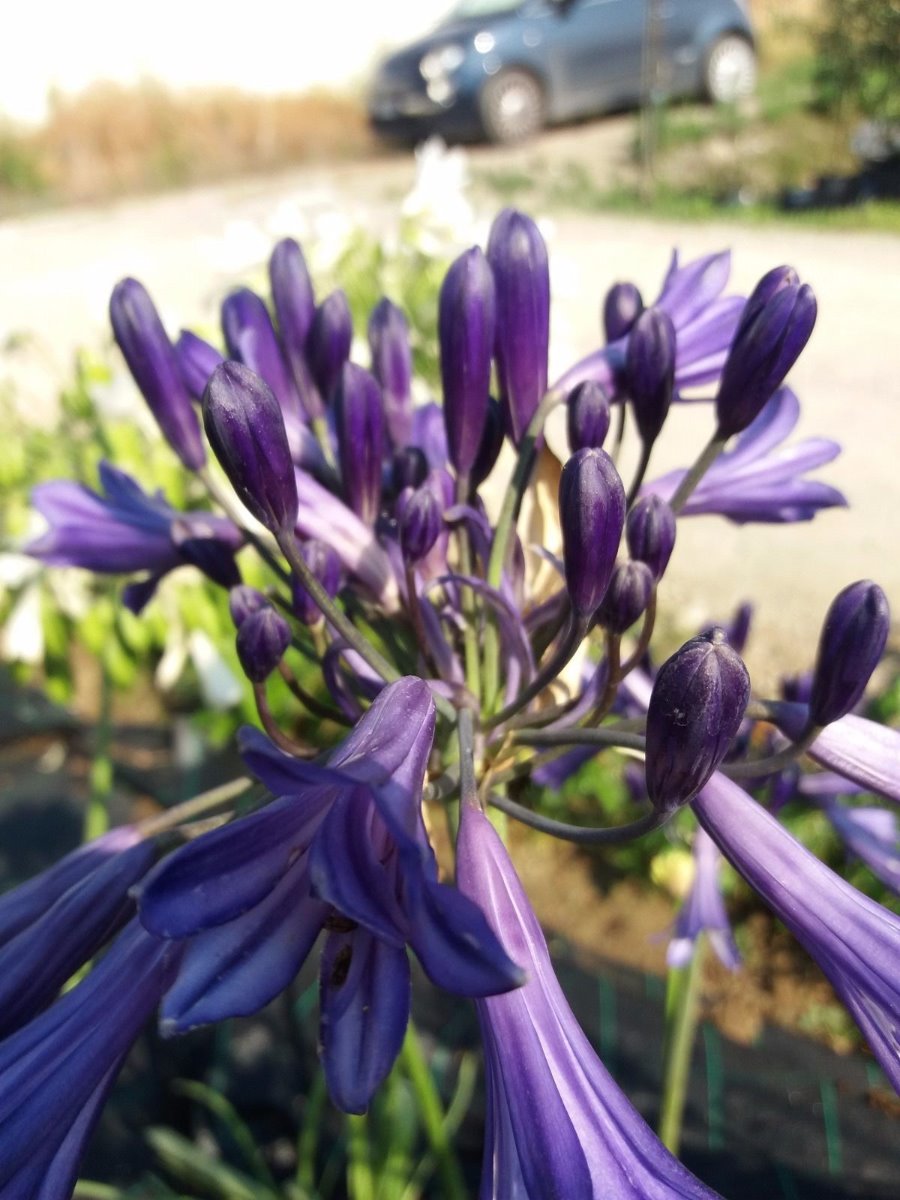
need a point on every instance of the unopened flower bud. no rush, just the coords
(244, 600)
(518, 258)
(466, 331)
(392, 367)
(650, 533)
(262, 639)
(245, 427)
(491, 444)
(587, 412)
(251, 339)
(851, 644)
(197, 360)
(325, 565)
(774, 327)
(409, 468)
(696, 708)
(650, 371)
(152, 360)
(621, 308)
(360, 434)
(630, 588)
(295, 306)
(328, 342)
(592, 514)
(420, 522)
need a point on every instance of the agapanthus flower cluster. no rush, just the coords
(406, 608)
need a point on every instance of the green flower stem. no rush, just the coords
(197, 806)
(308, 1137)
(571, 640)
(643, 464)
(682, 1013)
(431, 1112)
(233, 510)
(360, 1177)
(506, 522)
(774, 762)
(470, 633)
(708, 456)
(96, 817)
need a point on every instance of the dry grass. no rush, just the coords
(112, 140)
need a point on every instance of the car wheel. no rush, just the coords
(512, 106)
(729, 71)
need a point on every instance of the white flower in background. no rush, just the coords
(438, 202)
(219, 686)
(22, 639)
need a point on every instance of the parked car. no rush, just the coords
(503, 69)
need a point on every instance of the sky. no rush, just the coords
(265, 46)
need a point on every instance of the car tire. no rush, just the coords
(512, 107)
(729, 69)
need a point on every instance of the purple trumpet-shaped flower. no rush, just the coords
(295, 306)
(153, 362)
(467, 314)
(650, 533)
(328, 342)
(55, 1072)
(592, 516)
(326, 566)
(420, 522)
(262, 639)
(704, 322)
(862, 751)
(758, 480)
(630, 588)
(703, 910)
(650, 371)
(392, 367)
(197, 360)
(773, 329)
(852, 641)
(518, 258)
(344, 849)
(855, 941)
(53, 923)
(587, 413)
(245, 427)
(557, 1124)
(621, 308)
(361, 440)
(696, 707)
(126, 530)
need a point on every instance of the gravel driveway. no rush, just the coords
(56, 272)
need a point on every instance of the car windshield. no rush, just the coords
(482, 8)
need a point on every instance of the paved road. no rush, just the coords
(56, 272)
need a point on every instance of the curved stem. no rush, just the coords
(708, 456)
(643, 464)
(644, 640)
(580, 737)
(577, 833)
(197, 806)
(620, 431)
(226, 501)
(281, 740)
(316, 707)
(572, 639)
(774, 762)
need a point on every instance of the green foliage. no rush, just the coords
(857, 54)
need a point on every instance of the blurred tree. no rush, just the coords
(858, 48)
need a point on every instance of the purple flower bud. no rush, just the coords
(621, 308)
(244, 600)
(592, 514)
(491, 445)
(650, 533)
(630, 588)
(262, 639)
(696, 708)
(466, 331)
(324, 563)
(650, 371)
(420, 523)
(197, 360)
(392, 367)
(152, 360)
(774, 327)
(587, 411)
(518, 258)
(295, 306)
(245, 427)
(360, 435)
(328, 342)
(251, 339)
(409, 468)
(853, 639)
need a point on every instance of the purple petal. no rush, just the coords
(688, 290)
(364, 1001)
